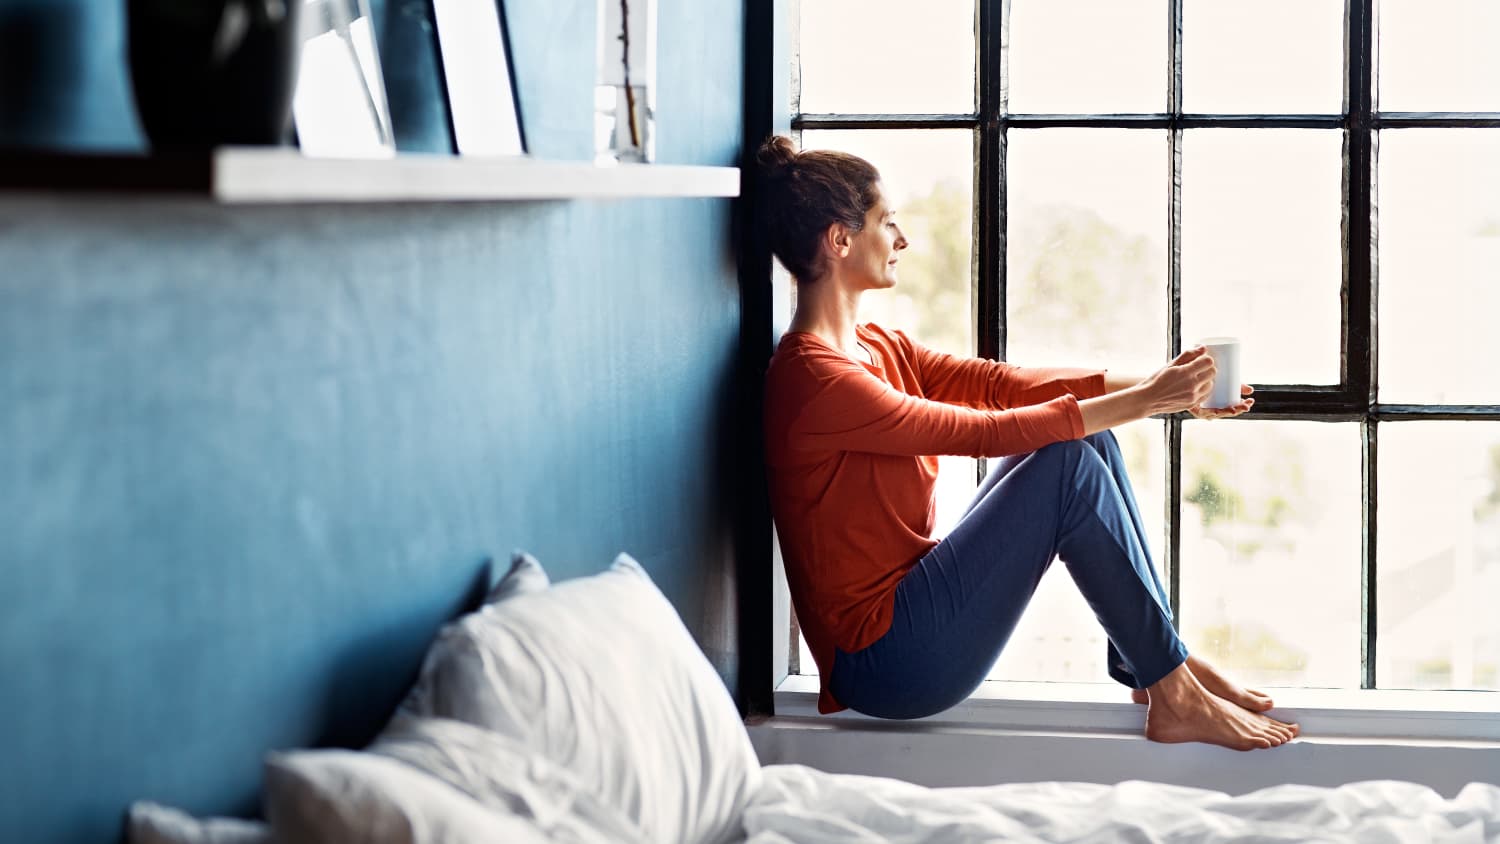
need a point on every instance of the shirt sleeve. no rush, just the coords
(852, 410)
(996, 385)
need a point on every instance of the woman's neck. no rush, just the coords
(827, 310)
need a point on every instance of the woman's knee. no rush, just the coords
(1067, 451)
(1103, 442)
(1050, 463)
(1072, 457)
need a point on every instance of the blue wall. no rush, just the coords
(251, 458)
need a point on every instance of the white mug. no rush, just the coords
(1225, 352)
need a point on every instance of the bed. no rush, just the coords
(812, 807)
(584, 712)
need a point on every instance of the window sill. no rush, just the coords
(1334, 715)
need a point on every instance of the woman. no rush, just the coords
(902, 625)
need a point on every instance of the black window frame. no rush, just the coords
(1355, 398)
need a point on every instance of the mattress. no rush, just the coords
(807, 806)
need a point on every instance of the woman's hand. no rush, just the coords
(1201, 412)
(1183, 384)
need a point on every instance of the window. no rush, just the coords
(1102, 182)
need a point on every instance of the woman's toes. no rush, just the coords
(1254, 701)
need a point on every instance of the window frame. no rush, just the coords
(1355, 397)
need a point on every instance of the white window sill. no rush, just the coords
(1334, 715)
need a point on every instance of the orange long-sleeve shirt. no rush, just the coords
(850, 450)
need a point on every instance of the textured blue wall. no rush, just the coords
(251, 458)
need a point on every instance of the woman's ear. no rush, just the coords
(836, 239)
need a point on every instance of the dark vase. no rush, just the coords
(213, 72)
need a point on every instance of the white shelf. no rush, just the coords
(247, 175)
(280, 175)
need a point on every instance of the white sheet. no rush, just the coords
(806, 806)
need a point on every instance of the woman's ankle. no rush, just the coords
(1177, 688)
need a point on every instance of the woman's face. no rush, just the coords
(873, 250)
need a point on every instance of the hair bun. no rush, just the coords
(777, 152)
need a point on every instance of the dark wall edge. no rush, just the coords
(767, 110)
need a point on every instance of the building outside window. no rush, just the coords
(1104, 182)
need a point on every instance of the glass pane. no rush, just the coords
(1439, 556)
(1271, 56)
(1088, 56)
(1439, 55)
(886, 56)
(957, 479)
(805, 664)
(1086, 271)
(929, 176)
(1058, 639)
(1439, 265)
(1271, 550)
(1261, 258)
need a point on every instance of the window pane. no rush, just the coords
(1271, 550)
(1439, 556)
(1439, 55)
(1058, 639)
(1272, 56)
(1260, 248)
(1086, 271)
(929, 176)
(956, 482)
(1439, 265)
(805, 663)
(1088, 56)
(886, 56)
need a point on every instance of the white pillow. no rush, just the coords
(326, 796)
(153, 823)
(504, 776)
(525, 575)
(599, 675)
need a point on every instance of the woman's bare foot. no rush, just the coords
(1209, 676)
(1182, 709)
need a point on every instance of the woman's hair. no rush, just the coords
(805, 193)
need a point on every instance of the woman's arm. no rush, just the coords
(1121, 383)
(834, 404)
(1114, 409)
(987, 384)
(1182, 384)
(1115, 383)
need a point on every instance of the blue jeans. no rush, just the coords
(958, 606)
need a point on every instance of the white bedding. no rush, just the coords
(806, 806)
